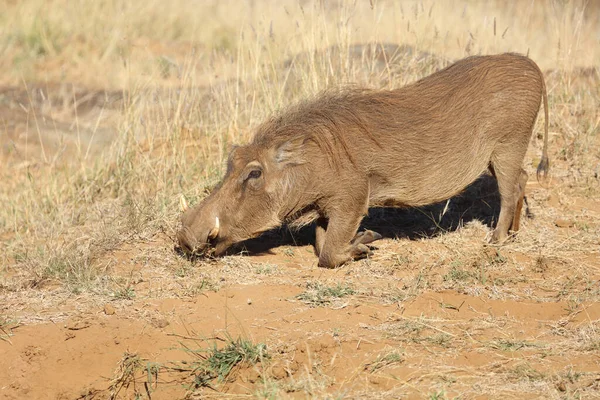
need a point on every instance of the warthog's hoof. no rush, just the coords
(498, 238)
(360, 251)
(366, 237)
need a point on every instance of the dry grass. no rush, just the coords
(123, 105)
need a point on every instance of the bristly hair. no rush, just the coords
(322, 119)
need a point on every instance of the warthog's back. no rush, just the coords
(427, 141)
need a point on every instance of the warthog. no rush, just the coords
(331, 158)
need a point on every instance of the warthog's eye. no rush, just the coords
(253, 180)
(251, 175)
(254, 174)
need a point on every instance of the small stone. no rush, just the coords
(563, 223)
(109, 309)
(562, 386)
(249, 301)
(160, 323)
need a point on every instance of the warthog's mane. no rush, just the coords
(323, 119)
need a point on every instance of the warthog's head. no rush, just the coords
(248, 201)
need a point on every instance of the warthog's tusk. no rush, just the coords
(183, 205)
(214, 231)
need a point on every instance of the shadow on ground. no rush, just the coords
(480, 201)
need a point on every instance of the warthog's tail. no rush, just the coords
(544, 165)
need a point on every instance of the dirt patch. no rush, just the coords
(437, 339)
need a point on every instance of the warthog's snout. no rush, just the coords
(197, 239)
(186, 241)
(191, 245)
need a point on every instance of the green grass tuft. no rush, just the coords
(317, 294)
(218, 362)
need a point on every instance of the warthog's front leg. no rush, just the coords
(364, 237)
(338, 245)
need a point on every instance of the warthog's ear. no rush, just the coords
(291, 152)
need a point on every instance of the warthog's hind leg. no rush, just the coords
(506, 167)
(521, 196)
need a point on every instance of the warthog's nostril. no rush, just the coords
(184, 242)
(186, 248)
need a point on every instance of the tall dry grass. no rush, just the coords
(196, 76)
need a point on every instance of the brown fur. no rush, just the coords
(333, 157)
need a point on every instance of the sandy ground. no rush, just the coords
(510, 324)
